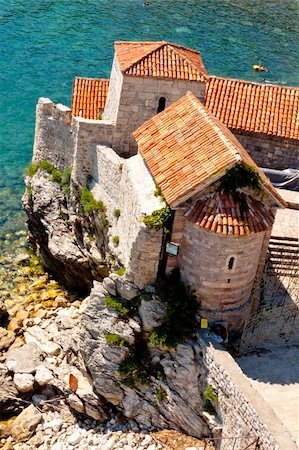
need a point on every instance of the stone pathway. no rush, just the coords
(287, 220)
(275, 375)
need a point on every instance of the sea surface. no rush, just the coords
(44, 44)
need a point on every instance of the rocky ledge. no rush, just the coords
(48, 376)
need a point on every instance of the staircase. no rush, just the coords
(283, 256)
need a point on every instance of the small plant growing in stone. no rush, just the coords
(121, 271)
(146, 296)
(29, 190)
(89, 203)
(47, 166)
(158, 372)
(31, 169)
(56, 176)
(161, 395)
(116, 213)
(132, 372)
(118, 306)
(66, 180)
(161, 219)
(114, 339)
(115, 240)
(120, 167)
(210, 394)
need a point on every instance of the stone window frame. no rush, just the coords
(234, 265)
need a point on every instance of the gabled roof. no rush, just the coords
(222, 213)
(160, 59)
(187, 149)
(254, 107)
(89, 97)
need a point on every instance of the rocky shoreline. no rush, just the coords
(45, 345)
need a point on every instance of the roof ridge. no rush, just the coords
(185, 57)
(136, 61)
(91, 78)
(256, 83)
(218, 129)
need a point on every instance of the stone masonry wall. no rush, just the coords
(270, 152)
(114, 93)
(242, 410)
(127, 185)
(203, 259)
(53, 139)
(87, 135)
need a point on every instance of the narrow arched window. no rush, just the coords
(161, 105)
(231, 263)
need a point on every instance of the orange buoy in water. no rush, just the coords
(259, 68)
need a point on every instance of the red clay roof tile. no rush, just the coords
(254, 107)
(221, 213)
(89, 97)
(160, 59)
(186, 149)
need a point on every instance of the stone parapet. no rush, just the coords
(127, 187)
(242, 409)
(53, 139)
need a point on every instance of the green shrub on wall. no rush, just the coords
(161, 219)
(179, 322)
(89, 203)
(240, 176)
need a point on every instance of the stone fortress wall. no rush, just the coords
(270, 152)
(242, 410)
(127, 187)
(121, 184)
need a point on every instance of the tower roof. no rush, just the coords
(222, 213)
(187, 149)
(254, 107)
(160, 59)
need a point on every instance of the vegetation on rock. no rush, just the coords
(89, 203)
(116, 213)
(114, 339)
(62, 178)
(118, 306)
(179, 322)
(121, 271)
(161, 395)
(115, 240)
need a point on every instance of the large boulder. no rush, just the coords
(181, 388)
(25, 424)
(151, 313)
(24, 359)
(58, 235)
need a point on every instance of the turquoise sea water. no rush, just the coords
(45, 43)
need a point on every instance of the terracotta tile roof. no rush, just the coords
(186, 149)
(160, 59)
(221, 213)
(89, 97)
(254, 107)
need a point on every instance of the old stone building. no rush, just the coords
(220, 232)
(142, 128)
